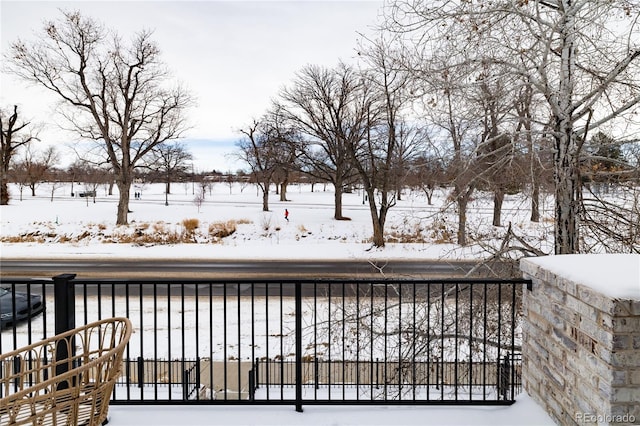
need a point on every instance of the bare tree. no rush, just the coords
(258, 151)
(451, 120)
(319, 104)
(612, 224)
(18, 175)
(285, 145)
(115, 94)
(581, 56)
(425, 173)
(538, 161)
(496, 150)
(13, 135)
(36, 165)
(410, 146)
(384, 94)
(230, 180)
(55, 179)
(93, 178)
(171, 160)
(611, 204)
(87, 173)
(469, 112)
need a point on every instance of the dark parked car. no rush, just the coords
(24, 309)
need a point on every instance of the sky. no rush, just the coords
(233, 56)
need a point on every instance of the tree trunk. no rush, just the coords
(566, 175)
(462, 221)
(265, 197)
(534, 171)
(124, 187)
(429, 193)
(378, 234)
(4, 181)
(33, 190)
(567, 186)
(498, 198)
(337, 212)
(376, 219)
(4, 192)
(462, 201)
(535, 202)
(283, 190)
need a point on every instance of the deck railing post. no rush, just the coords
(298, 347)
(64, 297)
(65, 320)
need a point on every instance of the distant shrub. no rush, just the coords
(441, 233)
(190, 225)
(266, 222)
(405, 237)
(159, 228)
(221, 230)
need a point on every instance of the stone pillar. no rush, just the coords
(581, 337)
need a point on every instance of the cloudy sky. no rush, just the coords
(233, 56)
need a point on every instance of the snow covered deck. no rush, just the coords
(524, 412)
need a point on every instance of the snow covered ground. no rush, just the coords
(525, 412)
(67, 227)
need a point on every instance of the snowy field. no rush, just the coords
(66, 227)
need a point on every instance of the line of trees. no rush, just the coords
(501, 96)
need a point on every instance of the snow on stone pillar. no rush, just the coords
(581, 337)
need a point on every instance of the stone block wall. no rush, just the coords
(581, 350)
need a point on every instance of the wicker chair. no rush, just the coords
(66, 379)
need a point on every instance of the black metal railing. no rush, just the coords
(296, 341)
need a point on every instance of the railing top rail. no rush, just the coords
(377, 281)
(22, 280)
